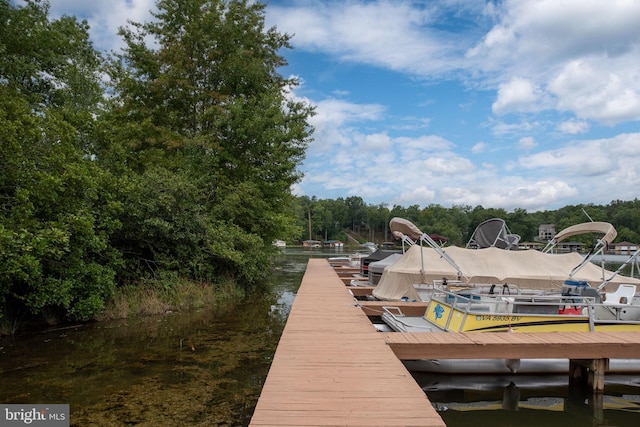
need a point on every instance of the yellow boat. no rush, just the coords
(460, 312)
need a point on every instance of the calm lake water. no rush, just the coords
(207, 369)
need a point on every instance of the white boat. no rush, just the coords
(352, 260)
(474, 310)
(491, 290)
(527, 269)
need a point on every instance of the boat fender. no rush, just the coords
(512, 364)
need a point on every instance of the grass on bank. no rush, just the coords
(150, 298)
(153, 298)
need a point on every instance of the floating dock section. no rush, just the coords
(332, 368)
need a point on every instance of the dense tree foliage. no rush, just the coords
(181, 165)
(213, 143)
(370, 222)
(55, 215)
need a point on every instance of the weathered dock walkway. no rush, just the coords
(332, 368)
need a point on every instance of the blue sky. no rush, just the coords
(505, 104)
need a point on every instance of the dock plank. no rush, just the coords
(332, 368)
(518, 345)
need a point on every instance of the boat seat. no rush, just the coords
(622, 296)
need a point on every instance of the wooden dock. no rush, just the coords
(505, 345)
(332, 368)
(588, 352)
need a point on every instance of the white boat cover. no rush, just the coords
(528, 269)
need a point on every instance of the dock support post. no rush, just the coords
(591, 370)
(586, 382)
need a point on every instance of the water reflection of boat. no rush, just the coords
(475, 395)
(468, 387)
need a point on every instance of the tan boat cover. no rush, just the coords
(526, 269)
(406, 227)
(605, 228)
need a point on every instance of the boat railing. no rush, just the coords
(540, 304)
(459, 287)
(530, 303)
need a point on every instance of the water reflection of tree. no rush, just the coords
(205, 367)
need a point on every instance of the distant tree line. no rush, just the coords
(331, 219)
(173, 157)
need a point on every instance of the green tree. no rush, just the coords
(356, 211)
(57, 210)
(198, 95)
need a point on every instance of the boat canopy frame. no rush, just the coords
(408, 230)
(607, 231)
(493, 233)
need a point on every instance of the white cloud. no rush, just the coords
(535, 34)
(519, 95)
(573, 126)
(582, 53)
(105, 17)
(423, 194)
(525, 66)
(393, 35)
(375, 143)
(527, 143)
(587, 158)
(591, 91)
(335, 120)
(480, 147)
(500, 127)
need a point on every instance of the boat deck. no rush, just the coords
(332, 368)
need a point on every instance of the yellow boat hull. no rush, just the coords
(449, 318)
